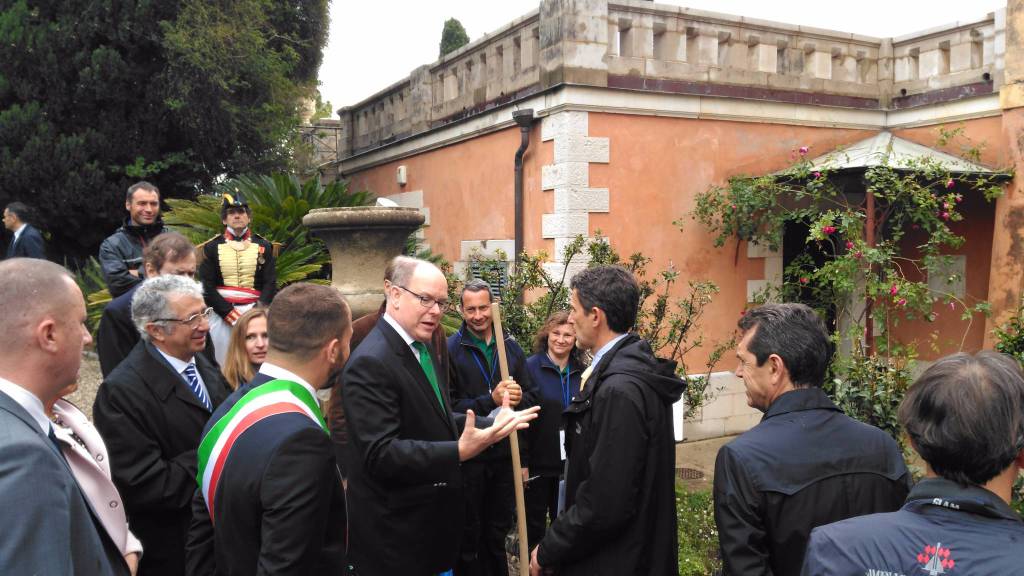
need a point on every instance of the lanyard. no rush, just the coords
(488, 378)
(563, 377)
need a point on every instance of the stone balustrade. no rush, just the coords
(640, 45)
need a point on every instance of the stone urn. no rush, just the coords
(362, 240)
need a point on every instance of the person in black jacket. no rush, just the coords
(620, 515)
(806, 464)
(490, 491)
(277, 505)
(168, 253)
(555, 370)
(121, 253)
(238, 270)
(965, 417)
(26, 241)
(405, 443)
(151, 411)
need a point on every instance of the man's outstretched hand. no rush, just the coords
(473, 441)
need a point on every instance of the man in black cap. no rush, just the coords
(237, 271)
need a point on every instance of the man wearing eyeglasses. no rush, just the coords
(406, 445)
(151, 411)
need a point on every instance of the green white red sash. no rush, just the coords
(262, 402)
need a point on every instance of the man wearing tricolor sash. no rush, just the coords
(270, 499)
(237, 271)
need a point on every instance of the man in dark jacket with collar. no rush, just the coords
(620, 516)
(26, 241)
(490, 495)
(965, 417)
(806, 464)
(121, 253)
(151, 411)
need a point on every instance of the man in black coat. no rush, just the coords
(26, 242)
(620, 515)
(404, 451)
(168, 253)
(489, 486)
(277, 506)
(121, 253)
(806, 464)
(151, 411)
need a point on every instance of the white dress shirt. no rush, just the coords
(29, 401)
(180, 366)
(401, 332)
(278, 373)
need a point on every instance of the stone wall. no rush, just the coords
(639, 45)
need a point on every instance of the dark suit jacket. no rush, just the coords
(404, 482)
(117, 334)
(28, 245)
(151, 423)
(335, 412)
(279, 506)
(50, 527)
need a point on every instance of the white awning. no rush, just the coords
(884, 148)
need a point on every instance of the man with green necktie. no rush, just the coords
(406, 445)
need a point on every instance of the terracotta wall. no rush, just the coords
(657, 166)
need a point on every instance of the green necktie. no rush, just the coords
(428, 368)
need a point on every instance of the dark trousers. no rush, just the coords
(490, 514)
(541, 503)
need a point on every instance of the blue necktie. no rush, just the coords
(197, 389)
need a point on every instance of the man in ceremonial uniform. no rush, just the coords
(151, 411)
(490, 491)
(237, 271)
(121, 252)
(405, 448)
(270, 498)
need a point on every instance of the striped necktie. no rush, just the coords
(193, 383)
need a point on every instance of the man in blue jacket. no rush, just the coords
(965, 417)
(490, 501)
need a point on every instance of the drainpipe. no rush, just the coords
(524, 119)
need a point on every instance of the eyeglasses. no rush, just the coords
(427, 301)
(192, 321)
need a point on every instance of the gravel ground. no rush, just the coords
(89, 378)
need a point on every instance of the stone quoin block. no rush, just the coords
(565, 175)
(581, 199)
(569, 123)
(581, 149)
(565, 225)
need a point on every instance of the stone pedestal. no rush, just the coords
(361, 241)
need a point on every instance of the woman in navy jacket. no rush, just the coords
(555, 370)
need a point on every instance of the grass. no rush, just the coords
(698, 535)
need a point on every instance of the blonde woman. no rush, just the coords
(247, 348)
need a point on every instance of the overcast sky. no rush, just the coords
(374, 44)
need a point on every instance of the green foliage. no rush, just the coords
(1018, 495)
(321, 108)
(278, 203)
(89, 278)
(96, 95)
(870, 388)
(915, 203)
(453, 37)
(671, 326)
(1010, 335)
(698, 534)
